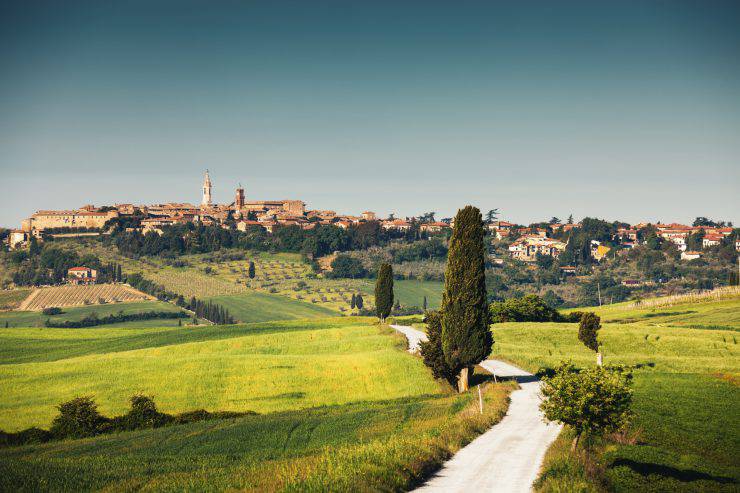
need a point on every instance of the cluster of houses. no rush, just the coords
(268, 214)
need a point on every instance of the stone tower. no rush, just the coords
(239, 201)
(206, 190)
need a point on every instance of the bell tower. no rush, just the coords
(239, 200)
(206, 191)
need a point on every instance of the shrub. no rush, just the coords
(144, 414)
(347, 267)
(52, 310)
(78, 418)
(572, 317)
(588, 330)
(530, 308)
(595, 400)
(431, 350)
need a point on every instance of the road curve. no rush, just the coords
(507, 457)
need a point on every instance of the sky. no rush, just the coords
(621, 110)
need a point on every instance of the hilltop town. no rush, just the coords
(525, 243)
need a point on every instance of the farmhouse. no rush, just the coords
(82, 275)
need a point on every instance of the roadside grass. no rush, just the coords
(239, 368)
(10, 299)
(37, 318)
(344, 408)
(686, 431)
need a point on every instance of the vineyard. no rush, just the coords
(226, 273)
(61, 296)
(9, 300)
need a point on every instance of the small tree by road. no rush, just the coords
(384, 292)
(595, 400)
(588, 333)
(431, 350)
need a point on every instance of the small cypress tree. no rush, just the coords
(424, 304)
(384, 291)
(466, 337)
(251, 269)
(353, 303)
(588, 333)
(359, 302)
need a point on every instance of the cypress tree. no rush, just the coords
(466, 337)
(353, 303)
(251, 270)
(384, 291)
(424, 304)
(588, 333)
(359, 301)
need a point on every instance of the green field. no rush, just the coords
(686, 390)
(37, 318)
(261, 307)
(343, 407)
(10, 299)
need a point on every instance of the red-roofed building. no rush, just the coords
(82, 275)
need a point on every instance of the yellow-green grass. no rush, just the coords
(686, 393)
(37, 318)
(261, 307)
(263, 368)
(382, 445)
(345, 408)
(10, 299)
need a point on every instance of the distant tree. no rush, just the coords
(595, 400)
(554, 220)
(353, 303)
(570, 219)
(251, 269)
(491, 215)
(431, 350)
(384, 291)
(33, 247)
(119, 274)
(391, 216)
(466, 337)
(588, 333)
(344, 266)
(359, 302)
(424, 304)
(695, 241)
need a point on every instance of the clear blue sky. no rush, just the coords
(622, 110)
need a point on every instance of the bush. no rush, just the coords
(347, 267)
(24, 437)
(572, 317)
(52, 310)
(78, 418)
(530, 308)
(144, 414)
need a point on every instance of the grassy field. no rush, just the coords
(37, 318)
(10, 299)
(344, 408)
(687, 392)
(261, 307)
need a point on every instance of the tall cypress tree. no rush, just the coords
(251, 269)
(466, 337)
(384, 291)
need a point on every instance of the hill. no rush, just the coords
(685, 433)
(343, 407)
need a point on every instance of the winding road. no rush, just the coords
(507, 457)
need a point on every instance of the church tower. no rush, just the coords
(206, 191)
(239, 201)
